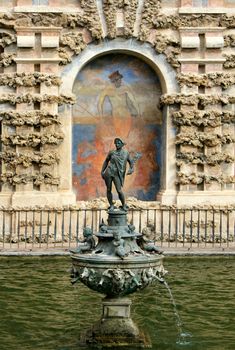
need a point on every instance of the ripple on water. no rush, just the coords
(40, 309)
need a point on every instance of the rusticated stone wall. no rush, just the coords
(38, 42)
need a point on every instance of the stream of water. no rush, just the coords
(40, 309)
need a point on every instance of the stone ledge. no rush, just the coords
(202, 60)
(37, 60)
(168, 251)
(202, 29)
(45, 9)
(199, 10)
(38, 29)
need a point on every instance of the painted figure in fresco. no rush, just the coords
(88, 244)
(114, 170)
(122, 102)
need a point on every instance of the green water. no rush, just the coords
(40, 309)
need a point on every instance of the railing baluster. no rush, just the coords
(228, 228)
(221, 227)
(184, 227)
(48, 228)
(198, 226)
(176, 227)
(33, 228)
(55, 227)
(26, 229)
(18, 230)
(40, 229)
(85, 217)
(191, 228)
(147, 217)
(77, 228)
(213, 228)
(3, 227)
(140, 223)
(70, 227)
(62, 228)
(169, 227)
(162, 227)
(10, 229)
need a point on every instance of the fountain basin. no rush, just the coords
(115, 277)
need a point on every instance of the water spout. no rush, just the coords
(183, 337)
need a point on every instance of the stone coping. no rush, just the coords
(46, 9)
(199, 10)
(167, 252)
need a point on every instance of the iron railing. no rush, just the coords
(48, 228)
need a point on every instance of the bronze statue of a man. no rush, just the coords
(114, 170)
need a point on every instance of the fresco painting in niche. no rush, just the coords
(117, 96)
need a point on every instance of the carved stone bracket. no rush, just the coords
(37, 179)
(200, 158)
(192, 99)
(225, 80)
(194, 20)
(29, 158)
(210, 118)
(6, 59)
(29, 79)
(33, 139)
(128, 8)
(33, 118)
(230, 61)
(199, 139)
(7, 39)
(196, 179)
(33, 98)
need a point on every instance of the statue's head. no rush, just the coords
(87, 231)
(116, 235)
(116, 78)
(118, 142)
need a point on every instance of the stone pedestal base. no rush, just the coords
(116, 328)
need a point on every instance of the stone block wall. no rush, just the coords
(40, 40)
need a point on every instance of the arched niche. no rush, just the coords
(82, 137)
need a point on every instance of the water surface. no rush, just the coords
(40, 309)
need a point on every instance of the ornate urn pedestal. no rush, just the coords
(117, 266)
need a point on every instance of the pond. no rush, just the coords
(40, 309)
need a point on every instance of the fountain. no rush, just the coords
(122, 262)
